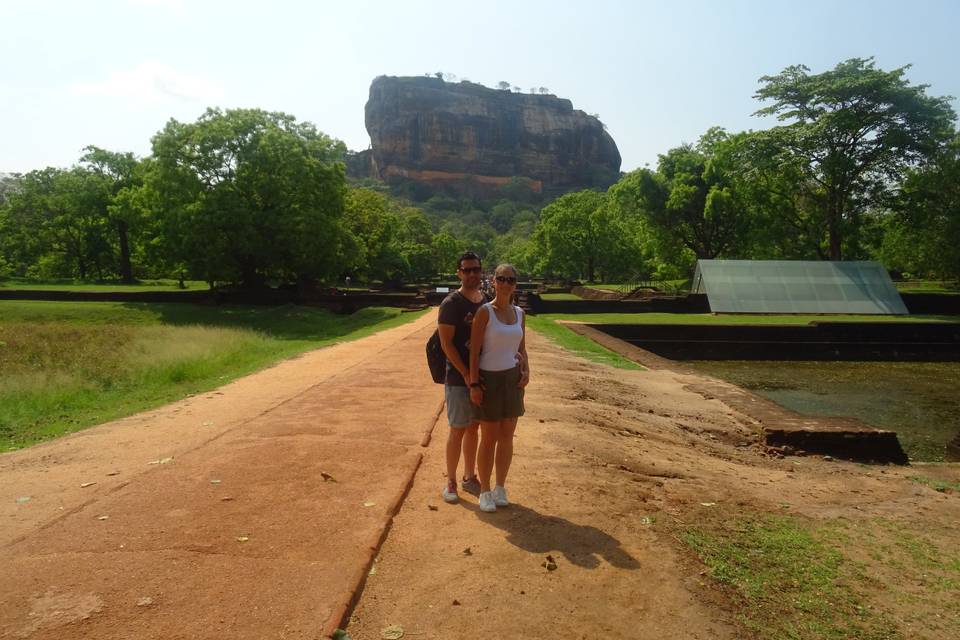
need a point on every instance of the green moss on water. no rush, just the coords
(918, 400)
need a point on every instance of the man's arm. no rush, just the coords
(446, 332)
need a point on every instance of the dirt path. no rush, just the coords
(211, 517)
(607, 463)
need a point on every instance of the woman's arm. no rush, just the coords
(524, 360)
(480, 319)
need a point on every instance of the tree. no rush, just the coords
(691, 200)
(923, 235)
(543, 90)
(579, 235)
(854, 131)
(246, 195)
(56, 225)
(119, 171)
(394, 242)
(503, 85)
(445, 249)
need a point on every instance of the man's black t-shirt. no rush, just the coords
(457, 310)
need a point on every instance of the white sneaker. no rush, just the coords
(449, 492)
(486, 502)
(500, 496)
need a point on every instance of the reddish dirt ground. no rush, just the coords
(234, 533)
(211, 517)
(608, 463)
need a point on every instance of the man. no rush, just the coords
(454, 324)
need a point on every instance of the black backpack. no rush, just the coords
(436, 358)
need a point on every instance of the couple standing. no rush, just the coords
(487, 371)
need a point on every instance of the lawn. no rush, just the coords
(710, 318)
(65, 366)
(560, 296)
(20, 284)
(831, 578)
(928, 286)
(577, 344)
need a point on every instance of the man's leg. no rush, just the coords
(471, 438)
(470, 482)
(458, 416)
(455, 441)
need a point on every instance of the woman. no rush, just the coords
(499, 372)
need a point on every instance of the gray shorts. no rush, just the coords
(459, 414)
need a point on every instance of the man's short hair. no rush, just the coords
(467, 255)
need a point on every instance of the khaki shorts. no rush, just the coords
(501, 396)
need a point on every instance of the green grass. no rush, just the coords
(77, 285)
(708, 318)
(65, 366)
(938, 485)
(560, 296)
(928, 286)
(577, 344)
(605, 285)
(788, 577)
(794, 578)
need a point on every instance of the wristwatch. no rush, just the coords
(474, 384)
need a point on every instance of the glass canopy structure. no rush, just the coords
(797, 286)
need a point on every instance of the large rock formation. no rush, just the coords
(433, 131)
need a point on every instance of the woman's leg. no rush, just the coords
(504, 455)
(485, 453)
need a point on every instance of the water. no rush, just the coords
(918, 400)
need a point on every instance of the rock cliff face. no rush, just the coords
(433, 131)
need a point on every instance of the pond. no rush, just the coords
(918, 400)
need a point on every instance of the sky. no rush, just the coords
(111, 73)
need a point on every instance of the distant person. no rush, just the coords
(499, 373)
(454, 325)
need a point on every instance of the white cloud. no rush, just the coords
(152, 81)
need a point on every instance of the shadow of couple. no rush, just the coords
(581, 545)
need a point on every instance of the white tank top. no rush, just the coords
(501, 341)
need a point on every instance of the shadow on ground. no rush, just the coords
(581, 545)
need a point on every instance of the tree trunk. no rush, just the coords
(248, 275)
(834, 214)
(126, 270)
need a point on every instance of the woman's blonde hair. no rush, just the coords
(503, 266)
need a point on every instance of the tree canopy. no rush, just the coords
(852, 132)
(248, 195)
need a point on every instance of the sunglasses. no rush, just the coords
(471, 269)
(506, 280)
